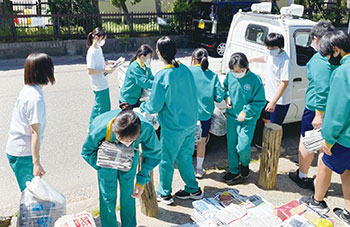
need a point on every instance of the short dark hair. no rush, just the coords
(334, 39)
(321, 28)
(238, 59)
(274, 39)
(127, 124)
(201, 55)
(167, 49)
(38, 69)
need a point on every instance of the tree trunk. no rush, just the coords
(97, 12)
(158, 7)
(270, 154)
(7, 22)
(55, 19)
(126, 12)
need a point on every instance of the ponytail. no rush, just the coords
(201, 55)
(126, 124)
(98, 31)
(143, 50)
(167, 49)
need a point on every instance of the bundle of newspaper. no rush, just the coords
(78, 220)
(204, 211)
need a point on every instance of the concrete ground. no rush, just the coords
(69, 104)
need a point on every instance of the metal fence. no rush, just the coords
(70, 26)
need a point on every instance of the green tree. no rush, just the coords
(121, 4)
(7, 23)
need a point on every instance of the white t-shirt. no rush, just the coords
(278, 69)
(95, 60)
(29, 109)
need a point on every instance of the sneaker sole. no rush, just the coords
(321, 211)
(167, 202)
(194, 197)
(234, 179)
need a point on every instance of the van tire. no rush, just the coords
(219, 49)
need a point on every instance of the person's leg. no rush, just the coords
(323, 180)
(102, 104)
(127, 203)
(232, 140)
(345, 180)
(184, 162)
(170, 143)
(201, 144)
(107, 184)
(279, 114)
(23, 169)
(245, 136)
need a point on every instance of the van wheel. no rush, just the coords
(220, 49)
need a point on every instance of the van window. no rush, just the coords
(256, 33)
(302, 42)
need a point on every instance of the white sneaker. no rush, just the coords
(200, 173)
(168, 199)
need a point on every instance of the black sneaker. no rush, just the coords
(230, 177)
(343, 215)
(167, 199)
(306, 182)
(319, 206)
(245, 171)
(185, 195)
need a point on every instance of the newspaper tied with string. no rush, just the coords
(114, 155)
(218, 123)
(313, 140)
(198, 132)
(41, 204)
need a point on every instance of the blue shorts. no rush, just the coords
(276, 116)
(339, 161)
(306, 121)
(205, 128)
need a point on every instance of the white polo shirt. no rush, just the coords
(29, 109)
(95, 60)
(278, 69)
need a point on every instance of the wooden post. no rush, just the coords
(148, 201)
(272, 138)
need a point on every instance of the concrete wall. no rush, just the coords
(77, 47)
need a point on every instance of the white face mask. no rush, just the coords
(274, 52)
(239, 75)
(128, 144)
(148, 61)
(101, 43)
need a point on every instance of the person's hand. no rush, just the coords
(326, 149)
(38, 170)
(228, 103)
(138, 190)
(270, 107)
(317, 121)
(109, 70)
(241, 117)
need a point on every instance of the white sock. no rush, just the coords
(200, 163)
(302, 175)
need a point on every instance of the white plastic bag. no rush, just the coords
(313, 140)
(41, 205)
(83, 219)
(151, 118)
(121, 71)
(198, 132)
(218, 123)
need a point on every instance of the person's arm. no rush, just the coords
(141, 79)
(258, 102)
(108, 70)
(337, 111)
(280, 90)
(156, 100)
(322, 75)
(260, 59)
(90, 146)
(91, 65)
(218, 90)
(38, 170)
(227, 93)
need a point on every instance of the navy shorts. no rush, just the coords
(276, 116)
(205, 127)
(306, 121)
(339, 161)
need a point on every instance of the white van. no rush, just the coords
(247, 33)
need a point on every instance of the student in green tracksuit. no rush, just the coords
(209, 89)
(130, 129)
(138, 76)
(336, 126)
(174, 98)
(245, 99)
(319, 72)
